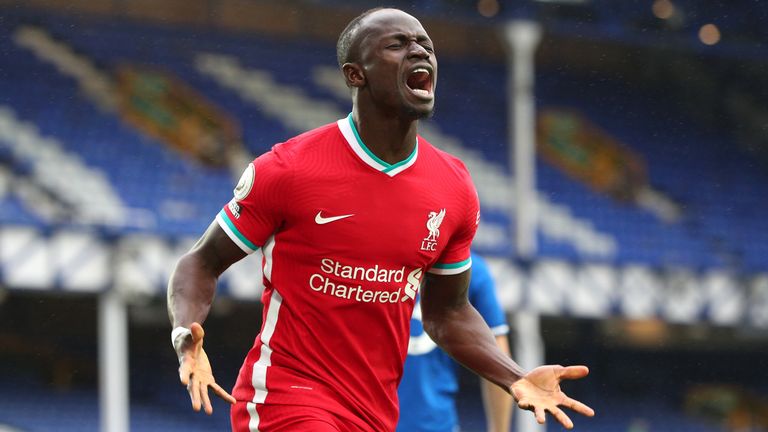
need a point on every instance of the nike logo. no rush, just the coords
(320, 220)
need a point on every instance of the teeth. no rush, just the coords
(421, 92)
(419, 70)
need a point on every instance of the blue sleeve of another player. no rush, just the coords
(482, 295)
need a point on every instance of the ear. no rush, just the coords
(354, 75)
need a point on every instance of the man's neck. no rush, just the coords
(391, 138)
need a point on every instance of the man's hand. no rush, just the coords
(195, 371)
(539, 391)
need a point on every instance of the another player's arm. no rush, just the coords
(190, 294)
(496, 401)
(454, 324)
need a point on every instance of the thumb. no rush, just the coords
(574, 372)
(197, 332)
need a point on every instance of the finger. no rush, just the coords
(197, 332)
(220, 392)
(541, 416)
(524, 404)
(195, 392)
(206, 400)
(573, 372)
(185, 370)
(577, 406)
(560, 416)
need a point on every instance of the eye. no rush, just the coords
(428, 48)
(395, 46)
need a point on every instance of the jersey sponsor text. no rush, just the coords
(334, 279)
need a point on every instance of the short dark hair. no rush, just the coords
(347, 36)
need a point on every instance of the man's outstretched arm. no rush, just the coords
(456, 326)
(496, 401)
(452, 322)
(190, 294)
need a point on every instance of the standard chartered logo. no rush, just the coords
(414, 281)
(360, 283)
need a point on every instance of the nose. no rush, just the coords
(416, 50)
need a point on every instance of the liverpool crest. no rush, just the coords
(433, 225)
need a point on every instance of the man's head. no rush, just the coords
(388, 60)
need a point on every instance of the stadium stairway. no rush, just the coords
(75, 134)
(86, 189)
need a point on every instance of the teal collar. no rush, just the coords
(349, 130)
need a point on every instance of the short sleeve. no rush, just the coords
(257, 208)
(482, 295)
(456, 257)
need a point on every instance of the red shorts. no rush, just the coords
(250, 417)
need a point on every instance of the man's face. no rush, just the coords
(399, 62)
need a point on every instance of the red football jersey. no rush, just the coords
(346, 239)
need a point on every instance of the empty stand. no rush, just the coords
(277, 88)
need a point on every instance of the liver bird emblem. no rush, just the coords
(433, 225)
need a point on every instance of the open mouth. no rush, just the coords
(420, 82)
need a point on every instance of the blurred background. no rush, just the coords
(619, 149)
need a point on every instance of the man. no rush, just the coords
(352, 218)
(428, 389)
